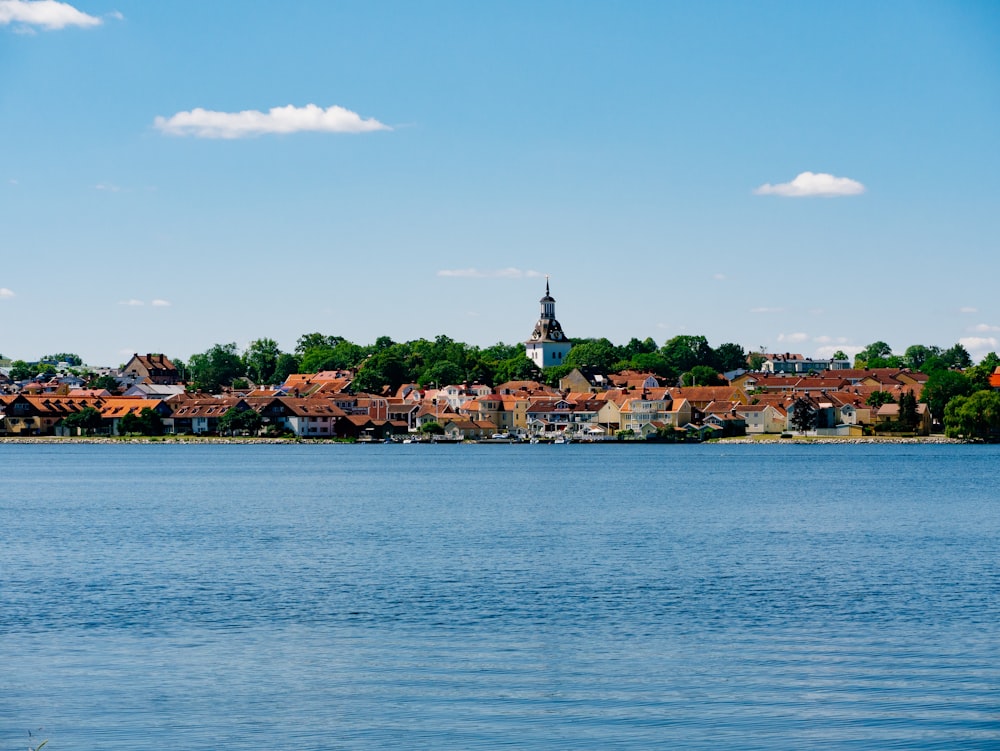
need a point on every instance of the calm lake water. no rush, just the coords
(460, 597)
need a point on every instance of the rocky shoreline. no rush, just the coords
(218, 440)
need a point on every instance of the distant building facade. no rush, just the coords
(151, 368)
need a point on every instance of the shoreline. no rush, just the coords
(237, 440)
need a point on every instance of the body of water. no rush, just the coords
(463, 596)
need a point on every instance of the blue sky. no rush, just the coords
(799, 176)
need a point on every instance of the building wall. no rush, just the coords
(547, 354)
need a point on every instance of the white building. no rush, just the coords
(548, 345)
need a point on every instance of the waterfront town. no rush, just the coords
(779, 394)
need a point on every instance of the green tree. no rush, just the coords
(517, 368)
(979, 375)
(942, 386)
(106, 382)
(441, 373)
(21, 371)
(216, 368)
(652, 362)
(957, 356)
(917, 354)
(286, 365)
(552, 376)
(70, 358)
(908, 416)
(87, 420)
(730, 356)
(892, 361)
(803, 415)
(432, 428)
(243, 421)
(840, 355)
(342, 355)
(594, 353)
(701, 375)
(684, 352)
(307, 342)
(385, 369)
(635, 347)
(147, 422)
(878, 398)
(261, 360)
(875, 350)
(974, 417)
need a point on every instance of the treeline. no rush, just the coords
(443, 361)
(684, 359)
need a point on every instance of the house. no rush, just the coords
(763, 418)
(469, 430)
(584, 379)
(154, 390)
(493, 408)
(150, 368)
(548, 415)
(796, 363)
(115, 408)
(825, 415)
(889, 413)
(312, 384)
(403, 410)
(309, 418)
(364, 428)
(630, 379)
(730, 423)
(199, 415)
(701, 396)
(995, 378)
(30, 415)
(636, 412)
(455, 395)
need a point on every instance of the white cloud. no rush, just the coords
(291, 119)
(767, 310)
(108, 187)
(985, 328)
(968, 309)
(6, 294)
(979, 345)
(719, 277)
(134, 303)
(796, 338)
(508, 273)
(49, 14)
(808, 184)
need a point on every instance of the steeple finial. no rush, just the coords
(546, 285)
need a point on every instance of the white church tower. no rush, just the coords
(548, 344)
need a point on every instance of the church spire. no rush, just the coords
(548, 344)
